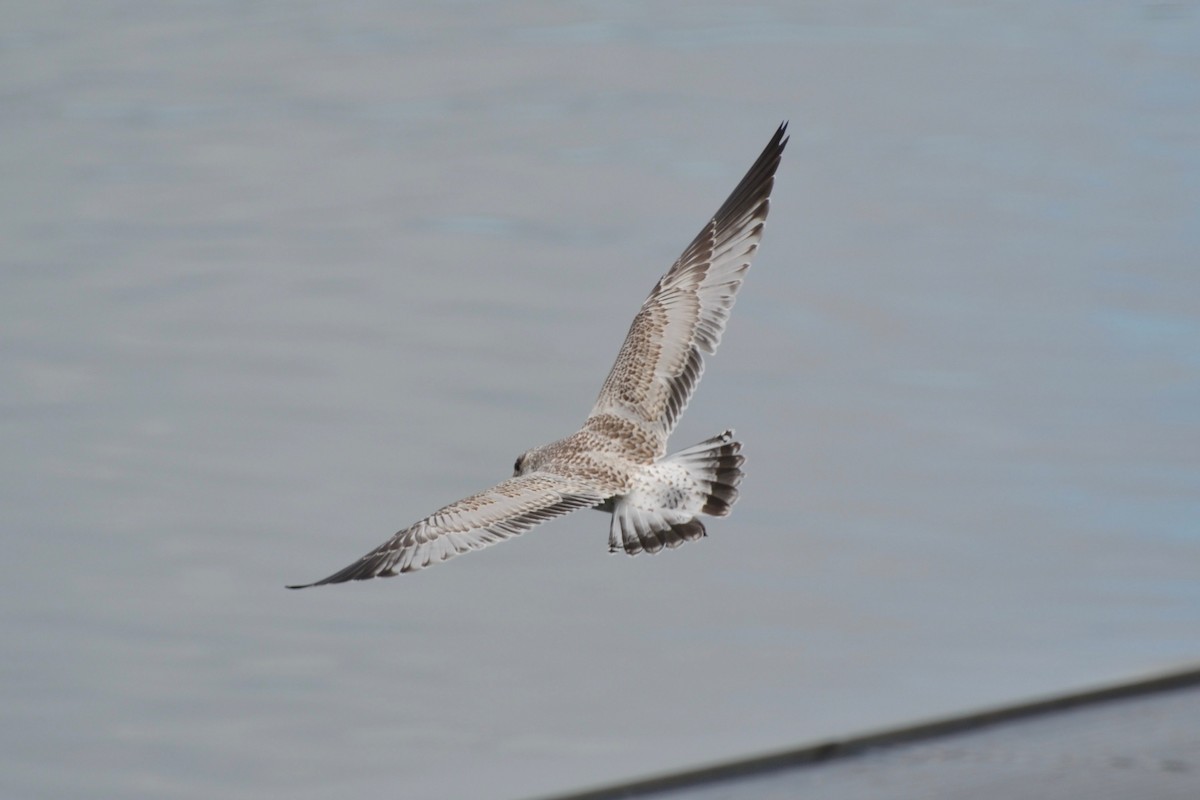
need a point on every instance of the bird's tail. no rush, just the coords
(642, 523)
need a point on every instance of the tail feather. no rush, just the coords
(716, 464)
(637, 531)
(702, 479)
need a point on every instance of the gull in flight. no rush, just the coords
(618, 462)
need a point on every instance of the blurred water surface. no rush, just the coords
(278, 279)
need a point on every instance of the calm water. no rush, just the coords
(280, 279)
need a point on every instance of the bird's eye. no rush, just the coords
(517, 466)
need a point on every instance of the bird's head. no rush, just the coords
(529, 461)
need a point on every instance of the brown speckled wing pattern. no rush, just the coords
(507, 509)
(683, 318)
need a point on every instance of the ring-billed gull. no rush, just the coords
(617, 461)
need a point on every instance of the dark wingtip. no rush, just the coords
(780, 139)
(754, 190)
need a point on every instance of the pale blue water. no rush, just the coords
(279, 279)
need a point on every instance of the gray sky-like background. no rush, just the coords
(279, 278)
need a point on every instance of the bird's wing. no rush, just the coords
(507, 509)
(661, 361)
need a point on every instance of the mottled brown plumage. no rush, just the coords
(616, 462)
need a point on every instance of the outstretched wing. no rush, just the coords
(505, 510)
(661, 361)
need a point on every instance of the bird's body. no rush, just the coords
(617, 461)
